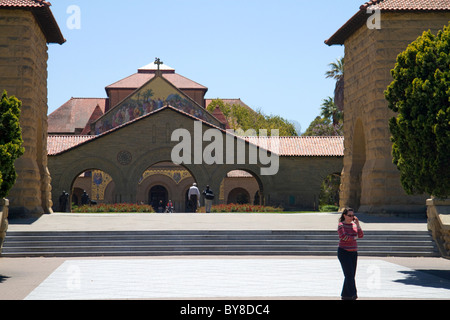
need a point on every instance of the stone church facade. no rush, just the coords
(370, 181)
(119, 149)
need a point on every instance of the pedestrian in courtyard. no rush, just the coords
(209, 197)
(194, 196)
(169, 207)
(349, 231)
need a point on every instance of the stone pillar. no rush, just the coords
(23, 73)
(438, 213)
(3, 221)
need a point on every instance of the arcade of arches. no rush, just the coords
(165, 181)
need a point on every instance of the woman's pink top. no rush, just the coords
(348, 233)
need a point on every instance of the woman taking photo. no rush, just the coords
(349, 230)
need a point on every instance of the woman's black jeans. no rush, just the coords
(348, 260)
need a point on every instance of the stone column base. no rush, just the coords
(438, 212)
(4, 203)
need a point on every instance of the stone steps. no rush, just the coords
(172, 243)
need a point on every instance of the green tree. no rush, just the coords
(242, 118)
(420, 95)
(321, 126)
(336, 69)
(330, 111)
(10, 141)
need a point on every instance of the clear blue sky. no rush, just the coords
(270, 54)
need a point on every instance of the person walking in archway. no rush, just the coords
(209, 197)
(194, 196)
(349, 231)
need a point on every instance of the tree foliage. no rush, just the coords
(336, 71)
(242, 118)
(322, 126)
(10, 141)
(420, 95)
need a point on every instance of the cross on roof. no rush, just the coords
(158, 62)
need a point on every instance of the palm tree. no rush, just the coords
(337, 72)
(336, 69)
(330, 110)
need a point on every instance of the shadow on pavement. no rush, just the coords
(427, 278)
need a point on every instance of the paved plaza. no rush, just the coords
(217, 277)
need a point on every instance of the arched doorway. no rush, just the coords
(90, 187)
(158, 198)
(164, 181)
(239, 196)
(241, 186)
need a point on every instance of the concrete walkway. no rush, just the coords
(210, 221)
(280, 278)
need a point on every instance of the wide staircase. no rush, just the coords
(173, 243)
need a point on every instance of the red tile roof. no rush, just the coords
(96, 114)
(360, 18)
(288, 146)
(239, 174)
(60, 143)
(42, 13)
(302, 146)
(218, 114)
(407, 5)
(24, 3)
(137, 80)
(74, 115)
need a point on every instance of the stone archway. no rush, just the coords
(158, 197)
(239, 196)
(176, 179)
(222, 183)
(64, 179)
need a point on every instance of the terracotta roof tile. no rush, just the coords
(42, 13)
(288, 146)
(302, 146)
(24, 3)
(137, 80)
(221, 117)
(407, 5)
(60, 143)
(74, 115)
(96, 114)
(360, 18)
(239, 174)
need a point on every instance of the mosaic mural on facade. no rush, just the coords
(154, 95)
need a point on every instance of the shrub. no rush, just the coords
(420, 95)
(242, 208)
(111, 208)
(10, 141)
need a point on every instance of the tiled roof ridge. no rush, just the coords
(408, 4)
(189, 80)
(360, 17)
(86, 98)
(131, 75)
(25, 3)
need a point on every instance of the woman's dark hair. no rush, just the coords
(346, 210)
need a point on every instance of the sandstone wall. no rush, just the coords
(370, 181)
(23, 73)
